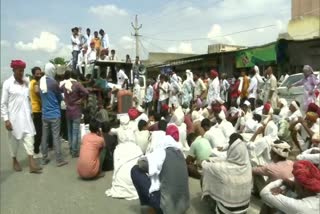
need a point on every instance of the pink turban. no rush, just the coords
(18, 64)
(307, 175)
(133, 113)
(173, 131)
(214, 73)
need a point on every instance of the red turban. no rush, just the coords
(164, 107)
(133, 113)
(18, 64)
(214, 73)
(267, 107)
(307, 174)
(313, 108)
(316, 92)
(173, 131)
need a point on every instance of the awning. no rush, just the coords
(256, 56)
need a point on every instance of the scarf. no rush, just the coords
(281, 149)
(49, 70)
(68, 85)
(229, 181)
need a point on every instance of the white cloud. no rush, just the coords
(47, 42)
(215, 31)
(183, 47)
(5, 43)
(64, 51)
(126, 42)
(109, 10)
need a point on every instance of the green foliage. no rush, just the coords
(58, 61)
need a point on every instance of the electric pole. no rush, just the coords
(136, 29)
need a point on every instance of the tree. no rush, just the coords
(58, 61)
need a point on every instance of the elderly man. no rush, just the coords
(16, 113)
(306, 184)
(161, 177)
(271, 88)
(310, 82)
(51, 98)
(214, 87)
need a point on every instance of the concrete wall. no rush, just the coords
(304, 7)
(304, 28)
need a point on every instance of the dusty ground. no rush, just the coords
(60, 191)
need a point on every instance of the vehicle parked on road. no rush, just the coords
(294, 93)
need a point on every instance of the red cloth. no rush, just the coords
(267, 107)
(214, 73)
(312, 107)
(18, 64)
(234, 93)
(307, 175)
(173, 131)
(164, 107)
(133, 113)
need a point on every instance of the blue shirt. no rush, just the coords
(51, 100)
(149, 94)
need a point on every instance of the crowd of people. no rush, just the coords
(237, 137)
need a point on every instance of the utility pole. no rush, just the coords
(136, 29)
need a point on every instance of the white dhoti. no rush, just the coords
(27, 140)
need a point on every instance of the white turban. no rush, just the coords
(294, 103)
(283, 102)
(281, 149)
(124, 120)
(49, 70)
(222, 115)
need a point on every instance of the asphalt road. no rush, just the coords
(60, 191)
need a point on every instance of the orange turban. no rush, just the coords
(307, 174)
(312, 116)
(18, 64)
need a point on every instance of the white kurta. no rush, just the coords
(15, 107)
(137, 94)
(271, 85)
(213, 90)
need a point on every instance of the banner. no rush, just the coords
(256, 56)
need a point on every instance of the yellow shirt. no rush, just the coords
(97, 43)
(35, 98)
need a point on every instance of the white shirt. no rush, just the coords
(163, 95)
(289, 205)
(199, 88)
(121, 77)
(258, 110)
(16, 107)
(75, 47)
(227, 128)
(294, 116)
(142, 139)
(284, 112)
(105, 41)
(306, 155)
(137, 93)
(89, 39)
(82, 59)
(91, 56)
(216, 137)
(113, 58)
(213, 91)
(253, 86)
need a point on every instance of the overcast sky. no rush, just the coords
(37, 30)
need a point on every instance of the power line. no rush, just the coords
(153, 45)
(202, 38)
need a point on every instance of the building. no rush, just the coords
(305, 19)
(157, 58)
(218, 48)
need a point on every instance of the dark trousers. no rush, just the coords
(75, 60)
(142, 184)
(37, 121)
(63, 126)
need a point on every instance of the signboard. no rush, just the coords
(256, 56)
